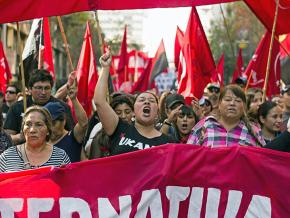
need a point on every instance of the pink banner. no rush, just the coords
(167, 181)
(17, 10)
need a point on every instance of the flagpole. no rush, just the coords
(39, 47)
(99, 31)
(248, 82)
(227, 30)
(65, 42)
(21, 67)
(270, 52)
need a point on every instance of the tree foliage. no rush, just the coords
(240, 28)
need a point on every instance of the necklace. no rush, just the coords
(27, 162)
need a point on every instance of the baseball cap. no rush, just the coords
(286, 88)
(56, 109)
(173, 99)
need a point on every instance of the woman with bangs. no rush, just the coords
(231, 126)
(123, 136)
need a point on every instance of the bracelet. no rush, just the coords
(167, 123)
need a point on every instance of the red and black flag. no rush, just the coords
(37, 52)
(159, 64)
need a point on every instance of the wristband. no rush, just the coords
(167, 123)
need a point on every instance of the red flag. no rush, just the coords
(218, 74)
(198, 58)
(239, 67)
(27, 9)
(258, 64)
(177, 46)
(122, 69)
(142, 83)
(285, 45)
(137, 61)
(265, 11)
(87, 74)
(46, 49)
(5, 74)
(159, 63)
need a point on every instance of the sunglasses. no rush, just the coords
(10, 92)
(206, 103)
(214, 89)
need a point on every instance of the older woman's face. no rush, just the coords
(231, 106)
(35, 129)
(146, 109)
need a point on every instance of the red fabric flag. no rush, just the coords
(256, 69)
(122, 70)
(137, 61)
(239, 70)
(285, 45)
(218, 75)
(5, 74)
(142, 83)
(159, 63)
(265, 11)
(28, 9)
(45, 51)
(198, 58)
(87, 74)
(177, 46)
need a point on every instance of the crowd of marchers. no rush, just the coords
(46, 134)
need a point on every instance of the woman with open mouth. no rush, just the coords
(231, 126)
(123, 136)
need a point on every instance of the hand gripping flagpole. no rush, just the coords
(21, 67)
(65, 42)
(270, 51)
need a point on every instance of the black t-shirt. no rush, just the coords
(126, 138)
(14, 116)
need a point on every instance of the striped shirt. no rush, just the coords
(209, 132)
(11, 160)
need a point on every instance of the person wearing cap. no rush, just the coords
(241, 81)
(69, 141)
(213, 93)
(205, 107)
(285, 92)
(40, 86)
(173, 104)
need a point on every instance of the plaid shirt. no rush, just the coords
(209, 132)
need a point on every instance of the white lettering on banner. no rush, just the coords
(150, 200)
(107, 210)
(175, 194)
(37, 205)
(68, 206)
(133, 143)
(234, 201)
(212, 203)
(195, 202)
(259, 207)
(10, 205)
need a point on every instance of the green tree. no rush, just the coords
(243, 30)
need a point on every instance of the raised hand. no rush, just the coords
(106, 59)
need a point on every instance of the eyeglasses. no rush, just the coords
(10, 92)
(42, 88)
(214, 89)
